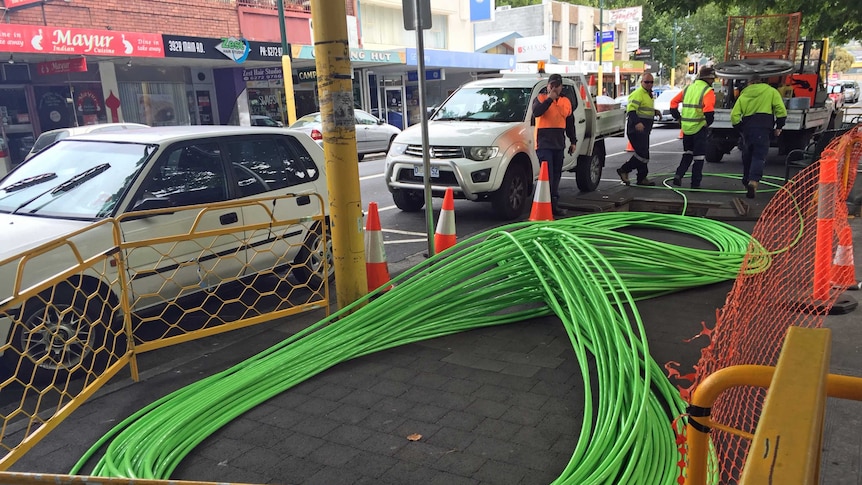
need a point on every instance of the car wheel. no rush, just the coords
(408, 200)
(389, 146)
(589, 169)
(510, 200)
(714, 153)
(309, 262)
(62, 332)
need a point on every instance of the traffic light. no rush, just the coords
(692, 68)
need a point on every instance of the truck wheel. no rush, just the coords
(714, 153)
(408, 200)
(589, 169)
(510, 200)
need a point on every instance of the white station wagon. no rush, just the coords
(78, 182)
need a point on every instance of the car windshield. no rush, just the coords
(74, 179)
(835, 88)
(487, 104)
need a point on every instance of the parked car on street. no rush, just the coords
(836, 94)
(77, 182)
(662, 104)
(623, 101)
(373, 135)
(851, 91)
(261, 120)
(48, 137)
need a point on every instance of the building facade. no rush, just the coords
(176, 62)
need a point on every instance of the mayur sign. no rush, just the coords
(536, 48)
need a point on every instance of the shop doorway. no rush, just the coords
(394, 102)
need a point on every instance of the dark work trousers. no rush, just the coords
(755, 146)
(694, 150)
(638, 161)
(555, 170)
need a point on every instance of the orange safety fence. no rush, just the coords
(805, 234)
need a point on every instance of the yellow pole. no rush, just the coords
(290, 101)
(335, 89)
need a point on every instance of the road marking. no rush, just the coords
(653, 145)
(406, 233)
(387, 208)
(369, 177)
(403, 241)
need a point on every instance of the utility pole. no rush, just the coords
(335, 89)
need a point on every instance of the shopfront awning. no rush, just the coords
(466, 60)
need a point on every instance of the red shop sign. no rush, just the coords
(20, 3)
(62, 40)
(77, 64)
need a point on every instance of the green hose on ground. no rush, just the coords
(584, 270)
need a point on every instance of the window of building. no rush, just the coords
(555, 32)
(573, 35)
(618, 37)
(382, 25)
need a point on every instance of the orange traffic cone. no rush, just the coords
(444, 235)
(629, 147)
(542, 210)
(843, 268)
(375, 256)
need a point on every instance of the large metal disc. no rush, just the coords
(749, 68)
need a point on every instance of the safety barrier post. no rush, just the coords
(787, 442)
(825, 225)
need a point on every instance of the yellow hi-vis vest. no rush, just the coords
(691, 114)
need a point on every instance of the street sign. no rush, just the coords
(643, 54)
(409, 8)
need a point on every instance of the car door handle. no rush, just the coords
(303, 200)
(227, 219)
(582, 121)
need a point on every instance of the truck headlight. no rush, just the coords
(481, 154)
(397, 149)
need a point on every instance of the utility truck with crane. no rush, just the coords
(768, 48)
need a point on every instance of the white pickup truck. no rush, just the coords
(481, 144)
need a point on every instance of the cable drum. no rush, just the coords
(753, 68)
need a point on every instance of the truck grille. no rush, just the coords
(435, 151)
(446, 178)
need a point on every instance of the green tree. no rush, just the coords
(841, 59)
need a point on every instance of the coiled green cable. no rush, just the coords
(585, 270)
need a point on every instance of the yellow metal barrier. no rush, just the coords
(793, 411)
(77, 312)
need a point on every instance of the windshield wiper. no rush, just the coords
(80, 178)
(29, 182)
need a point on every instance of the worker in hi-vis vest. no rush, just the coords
(640, 113)
(758, 114)
(551, 109)
(697, 113)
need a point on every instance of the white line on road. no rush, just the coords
(369, 177)
(406, 233)
(653, 145)
(403, 241)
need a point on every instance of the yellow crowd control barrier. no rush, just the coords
(80, 309)
(785, 447)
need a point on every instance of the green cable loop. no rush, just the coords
(587, 270)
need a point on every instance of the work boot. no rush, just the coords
(751, 190)
(624, 176)
(677, 181)
(646, 183)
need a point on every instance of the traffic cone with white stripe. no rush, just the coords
(375, 256)
(629, 147)
(444, 235)
(542, 210)
(843, 267)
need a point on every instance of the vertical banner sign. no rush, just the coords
(606, 44)
(633, 36)
(481, 10)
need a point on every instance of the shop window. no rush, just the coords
(154, 104)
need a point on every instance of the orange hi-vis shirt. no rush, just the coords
(551, 122)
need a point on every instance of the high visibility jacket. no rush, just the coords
(551, 121)
(759, 106)
(641, 102)
(697, 98)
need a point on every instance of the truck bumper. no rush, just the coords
(467, 178)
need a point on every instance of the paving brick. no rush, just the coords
(460, 420)
(362, 398)
(291, 469)
(348, 413)
(382, 443)
(460, 463)
(421, 453)
(484, 407)
(499, 473)
(451, 438)
(332, 476)
(371, 464)
(317, 426)
(390, 388)
(461, 386)
(347, 434)
(333, 391)
(426, 413)
(400, 374)
(409, 473)
(317, 407)
(383, 421)
(298, 445)
(523, 416)
(431, 381)
(333, 454)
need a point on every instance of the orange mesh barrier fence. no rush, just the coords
(805, 234)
